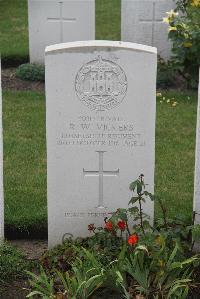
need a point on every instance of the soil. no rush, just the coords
(33, 250)
(11, 82)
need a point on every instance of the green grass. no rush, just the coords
(25, 158)
(14, 27)
(14, 31)
(175, 148)
(108, 19)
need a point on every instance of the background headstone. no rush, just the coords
(197, 166)
(142, 22)
(1, 169)
(100, 100)
(53, 21)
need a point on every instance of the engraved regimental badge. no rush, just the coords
(101, 84)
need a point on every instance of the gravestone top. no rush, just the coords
(1, 169)
(99, 43)
(142, 22)
(100, 103)
(54, 21)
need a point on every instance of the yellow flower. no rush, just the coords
(195, 3)
(159, 94)
(166, 20)
(172, 28)
(174, 104)
(163, 98)
(187, 44)
(172, 13)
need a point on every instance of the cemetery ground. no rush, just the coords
(25, 166)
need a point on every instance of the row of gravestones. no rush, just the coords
(54, 21)
(100, 123)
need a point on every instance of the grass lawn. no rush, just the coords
(24, 160)
(14, 31)
(14, 27)
(25, 157)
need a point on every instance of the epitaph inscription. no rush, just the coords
(101, 84)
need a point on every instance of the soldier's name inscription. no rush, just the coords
(88, 130)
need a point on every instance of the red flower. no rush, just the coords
(133, 239)
(121, 224)
(109, 225)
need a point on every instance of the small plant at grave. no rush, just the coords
(128, 254)
(86, 276)
(184, 32)
(31, 72)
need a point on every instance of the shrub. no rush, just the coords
(31, 72)
(184, 32)
(166, 77)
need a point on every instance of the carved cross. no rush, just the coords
(153, 21)
(101, 173)
(61, 20)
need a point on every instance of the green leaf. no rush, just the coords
(133, 185)
(133, 210)
(133, 200)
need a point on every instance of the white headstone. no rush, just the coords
(142, 22)
(1, 169)
(100, 100)
(53, 21)
(197, 166)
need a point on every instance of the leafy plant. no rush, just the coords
(166, 76)
(184, 32)
(31, 72)
(85, 277)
